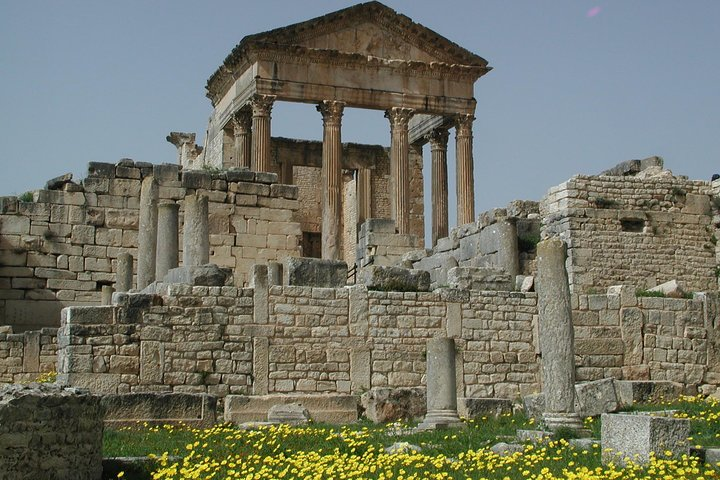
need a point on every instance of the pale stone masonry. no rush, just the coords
(62, 248)
(47, 431)
(635, 231)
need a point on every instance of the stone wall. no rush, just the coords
(645, 338)
(491, 243)
(47, 431)
(61, 248)
(635, 231)
(24, 356)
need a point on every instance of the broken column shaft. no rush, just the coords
(196, 239)
(556, 336)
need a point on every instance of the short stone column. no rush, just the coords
(106, 294)
(261, 108)
(147, 232)
(167, 239)
(438, 150)
(331, 178)
(124, 272)
(508, 253)
(441, 386)
(275, 273)
(465, 181)
(196, 239)
(400, 167)
(557, 336)
(242, 132)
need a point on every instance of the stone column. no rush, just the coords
(556, 336)
(507, 243)
(147, 233)
(441, 386)
(261, 107)
(196, 239)
(364, 195)
(124, 272)
(331, 178)
(167, 240)
(438, 149)
(400, 167)
(242, 130)
(465, 181)
(106, 295)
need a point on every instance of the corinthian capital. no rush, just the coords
(463, 125)
(331, 111)
(438, 138)
(262, 105)
(241, 122)
(399, 116)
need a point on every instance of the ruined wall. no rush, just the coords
(627, 230)
(61, 248)
(283, 339)
(497, 237)
(25, 356)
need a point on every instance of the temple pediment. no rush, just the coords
(369, 30)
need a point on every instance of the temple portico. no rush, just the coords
(368, 57)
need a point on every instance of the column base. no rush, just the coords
(555, 421)
(440, 419)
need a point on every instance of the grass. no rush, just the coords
(358, 450)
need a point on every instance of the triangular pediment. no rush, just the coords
(370, 29)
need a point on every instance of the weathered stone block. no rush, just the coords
(646, 391)
(383, 405)
(633, 437)
(328, 408)
(595, 398)
(207, 275)
(195, 410)
(196, 179)
(394, 279)
(481, 407)
(313, 272)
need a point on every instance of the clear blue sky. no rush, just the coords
(577, 85)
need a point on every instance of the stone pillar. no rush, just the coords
(331, 178)
(438, 149)
(364, 195)
(196, 239)
(441, 386)
(556, 334)
(400, 167)
(147, 233)
(124, 272)
(261, 107)
(167, 240)
(242, 130)
(507, 241)
(106, 295)
(275, 273)
(465, 181)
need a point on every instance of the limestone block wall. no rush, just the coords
(47, 431)
(61, 248)
(493, 241)
(283, 339)
(627, 230)
(24, 356)
(645, 338)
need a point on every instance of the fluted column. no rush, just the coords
(331, 178)
(400, 167)
(261, 107)
(438, 149)
(465, 180)
(242, 130)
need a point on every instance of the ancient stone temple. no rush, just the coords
(218, 293)
(366, 56)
